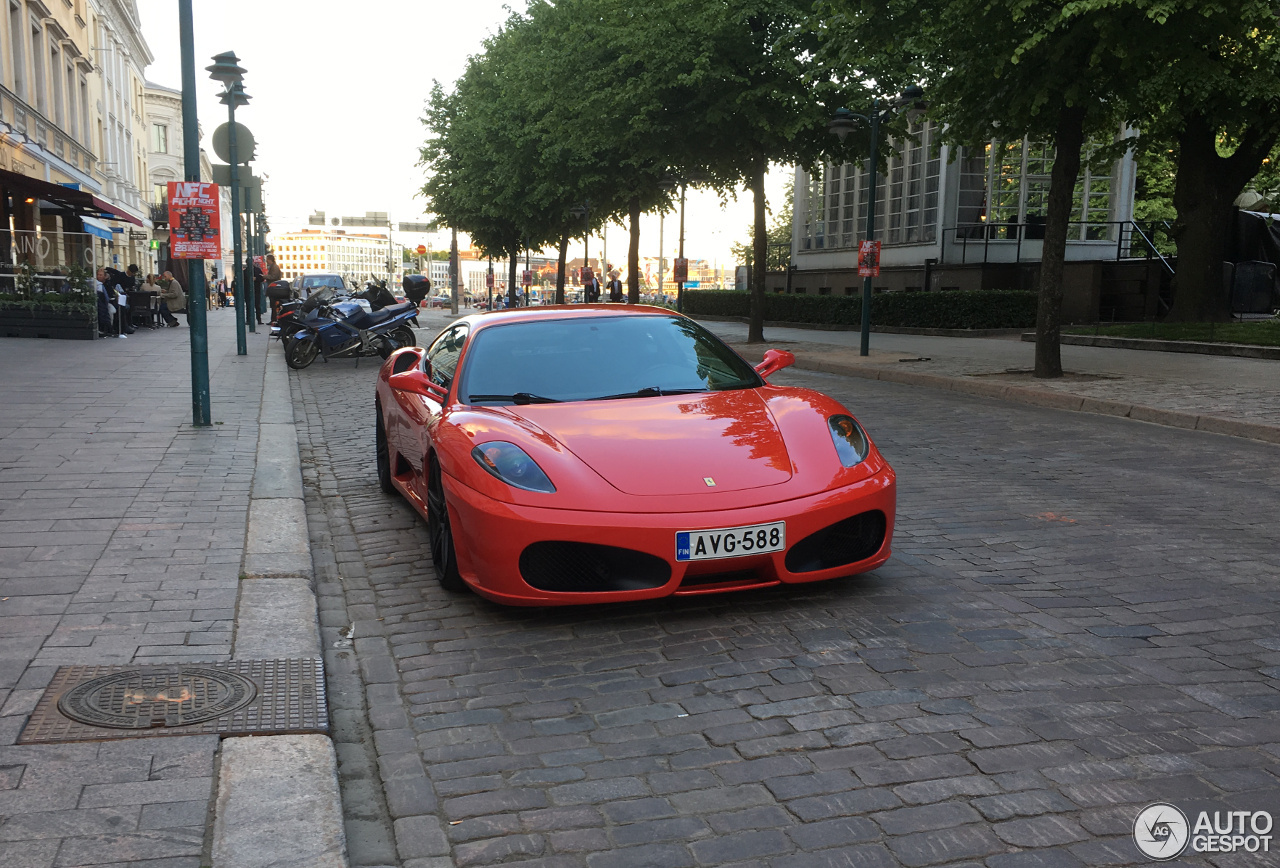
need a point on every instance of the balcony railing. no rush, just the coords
(160, 213)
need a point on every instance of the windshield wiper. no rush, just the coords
(516, 398)
(649, 392)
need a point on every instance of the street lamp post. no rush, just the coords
(227, 69)
(841, 125)
(196, 290)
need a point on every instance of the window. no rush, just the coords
(159, 138)
(73, 117)
(37, 63)
(161, 193)
(16, 32)
(55, 73)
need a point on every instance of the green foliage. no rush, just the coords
(67, 304)
(977, 309)
(779, 236)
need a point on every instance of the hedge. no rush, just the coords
(973, 309)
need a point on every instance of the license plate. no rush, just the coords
(730, 542)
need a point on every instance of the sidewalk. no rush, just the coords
(129, 537)
(1235, 396)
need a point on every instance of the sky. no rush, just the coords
(337, 98)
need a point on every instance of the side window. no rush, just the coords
(444, 354)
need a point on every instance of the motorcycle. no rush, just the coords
(337, 329)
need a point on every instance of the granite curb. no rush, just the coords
(278, 802)
(1243, 351)
(1054, 399)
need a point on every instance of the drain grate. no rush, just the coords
(245, 697)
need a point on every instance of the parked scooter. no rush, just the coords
(329, 331)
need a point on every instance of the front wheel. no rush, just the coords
(382, 454)
(404, 337)
(443, 555)
(300, 352)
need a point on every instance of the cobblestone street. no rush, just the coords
(1079, 620)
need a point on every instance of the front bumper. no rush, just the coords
(490, 537)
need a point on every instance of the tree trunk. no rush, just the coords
(1068, 141)
(564, 251)
(633, 252)
(755, 325)
(513, 295)
(1204, 190)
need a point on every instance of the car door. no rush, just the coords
(422, 413)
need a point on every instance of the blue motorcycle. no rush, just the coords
(334, 329)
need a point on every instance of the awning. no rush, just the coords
(96, 227)
(79, 201)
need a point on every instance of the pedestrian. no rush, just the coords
(106, 310)
(615, 288)
(117, 284)
(172, 299)
(258, 280)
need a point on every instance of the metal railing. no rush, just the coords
(1131, 239)
(160, 212)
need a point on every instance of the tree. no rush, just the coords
(779, 238)
(1210, 89)
(1002, 71)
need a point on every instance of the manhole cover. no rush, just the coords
(243, 697)
(148, 699)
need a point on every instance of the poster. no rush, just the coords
(194, 229)
(526, 279)
(680, 270)
(869, 259)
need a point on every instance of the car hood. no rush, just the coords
(671, 445)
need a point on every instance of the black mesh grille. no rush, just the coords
(586, 567)
(845, 542)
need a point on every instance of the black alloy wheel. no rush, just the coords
(443, 555)
(383, 453)
(301, 352)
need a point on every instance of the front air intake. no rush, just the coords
(574, 567)
(845, 542)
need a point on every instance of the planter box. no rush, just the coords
(46, 324)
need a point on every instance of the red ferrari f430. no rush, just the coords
(606, 453)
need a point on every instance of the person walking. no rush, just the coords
(615, 288)
(172, 299)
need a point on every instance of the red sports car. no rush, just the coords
(604, 453)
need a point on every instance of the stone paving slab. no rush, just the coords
(121, 528)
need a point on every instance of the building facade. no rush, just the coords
(64, 204)
(355, 256)
(954, 218)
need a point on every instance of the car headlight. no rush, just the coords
(851, 443)
(512, 465)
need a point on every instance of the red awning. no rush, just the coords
(78, 201)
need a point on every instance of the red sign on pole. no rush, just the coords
(194, 224)
(869, 259)
(680, 270)
(526, 279)
(488, 280)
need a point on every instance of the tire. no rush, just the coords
(443, 554)
(405, 337)
(382, 454)
(300, 352)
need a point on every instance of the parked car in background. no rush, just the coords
(442, 300)
(310, 283)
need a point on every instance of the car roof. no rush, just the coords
(562, 311)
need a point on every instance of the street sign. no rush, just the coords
(245, 144)
(416, 227)
(422, 248)
(194, 208)
(680, 270)
(692, 284)
(869, 259)
(250, 184)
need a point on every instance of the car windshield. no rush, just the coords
(598, 358)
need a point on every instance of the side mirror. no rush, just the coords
(417, 382)
(774, 361)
